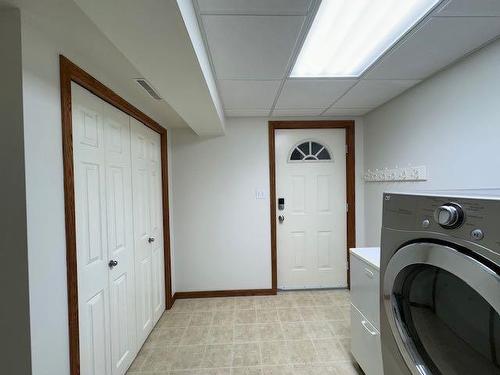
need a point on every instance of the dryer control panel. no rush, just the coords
(449, 215)
(471, 219)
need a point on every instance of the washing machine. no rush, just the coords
(440, 283)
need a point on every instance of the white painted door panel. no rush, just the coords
(91, 233)
(120, 238)
(119, 217)
(156, 211)
(148, 227)
(142, 225)
(103, 198)
(312, 239)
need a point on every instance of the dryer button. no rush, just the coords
(477, 234)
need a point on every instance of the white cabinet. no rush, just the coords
(365, 344)
(365, 314)
(365, 289)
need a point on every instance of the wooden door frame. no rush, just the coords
(348, 125)
(69, 72)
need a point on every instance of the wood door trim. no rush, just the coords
(69, 72)
(348, 125)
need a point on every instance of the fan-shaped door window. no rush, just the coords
(308, 151)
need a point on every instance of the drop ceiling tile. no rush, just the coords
(347, 111)
(470, 8)
(312, 93)
(438, 43)
(266, 7)
(372, 93)
(247, 112)
(252, 47)
(297, 112)
(245, 94)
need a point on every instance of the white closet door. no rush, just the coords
(103, 198)
(156, 210)
(120, 238)
(91, 233)
(142, 227)
(148, 227)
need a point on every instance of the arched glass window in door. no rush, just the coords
(309, 151)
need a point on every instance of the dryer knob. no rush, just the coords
(449, 215)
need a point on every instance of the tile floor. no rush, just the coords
(293, 333)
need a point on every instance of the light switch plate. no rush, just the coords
(260, 194)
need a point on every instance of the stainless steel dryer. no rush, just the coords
(440, 283)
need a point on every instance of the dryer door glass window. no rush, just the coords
(453, 328)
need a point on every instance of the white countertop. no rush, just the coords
(370, 255)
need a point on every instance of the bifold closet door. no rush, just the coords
(104, 235)
(148, 228)
(156, 211)
(120, 238)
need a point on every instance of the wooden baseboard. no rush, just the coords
(225, 293)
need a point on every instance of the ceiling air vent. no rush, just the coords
(147, 86)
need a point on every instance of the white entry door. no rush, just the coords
(104, 236)
(311, 208)
(148, 229)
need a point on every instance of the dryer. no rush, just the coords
(440, 283)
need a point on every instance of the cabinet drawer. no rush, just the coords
(365, 343)
(365, 289)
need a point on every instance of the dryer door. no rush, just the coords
(443, 307)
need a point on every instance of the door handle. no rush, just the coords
(112, 263)
(365, 324)
(281, 219)
(369, 273)
(151, 240)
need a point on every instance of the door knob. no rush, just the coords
(151, 239)
(112, 263)
(281, 219)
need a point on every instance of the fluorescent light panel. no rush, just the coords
(348, 36)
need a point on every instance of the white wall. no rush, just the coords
(15, 350)
(45, 200)
(222, 233)
(450, 123)
(44, 170)
(78, 40)
(41, 47)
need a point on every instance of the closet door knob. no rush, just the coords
(112, 263)
(151, 239)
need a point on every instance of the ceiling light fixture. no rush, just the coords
(348, 36)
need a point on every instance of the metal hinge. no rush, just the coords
(346, 148)
(347, 207)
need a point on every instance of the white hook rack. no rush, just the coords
(396, 174)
